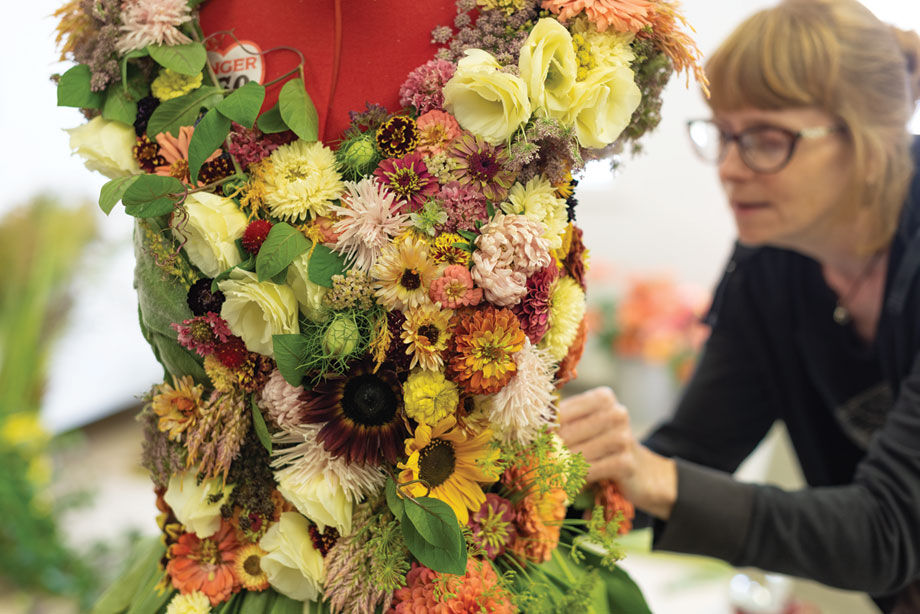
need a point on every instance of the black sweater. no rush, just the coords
(852, 412)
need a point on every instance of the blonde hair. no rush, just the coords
(834, 55)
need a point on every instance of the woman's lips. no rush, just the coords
(743, 207)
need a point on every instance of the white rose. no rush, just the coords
(214, 224)
(602, 105)
(293, 566)
(196, 505)
(309, 295)
(106, 147)
(487, 102)
(321, 498)
(548, 66)
(257, 310)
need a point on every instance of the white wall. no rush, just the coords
(663, 212)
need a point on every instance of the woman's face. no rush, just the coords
(799, 205)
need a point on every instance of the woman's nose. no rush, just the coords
(732, 167)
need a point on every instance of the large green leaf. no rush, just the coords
(113, 190)
(297, 110)
(271, 122)
(187, 59)
(140, 566)
(433, 535)
(283, 244)
(74, 89)
(182, 111)
(290, 354)
(394, 501)
(119, 106)
(209, 134)
(137, 53)
(243, 104)
(286, 605)
(151, 195)
(324, 264)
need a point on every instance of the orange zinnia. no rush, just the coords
(175, 153)
(205, 565)
(621, 15)
(483, 349)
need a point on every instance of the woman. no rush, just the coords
(816, 321)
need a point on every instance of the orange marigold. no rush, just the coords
(483, 348)
(205, 565)
(538, 515)
(607, 494)
(476, 591)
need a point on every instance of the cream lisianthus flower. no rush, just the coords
(214, 224)
(293, 566)
(197, 506)
(537, 201)
(106, 146)
(486, 101)
(320, 498)
(257, 310)
(602, 105)
(548, 66)
(195, 602)
(308, 294)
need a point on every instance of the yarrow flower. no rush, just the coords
(482, 350)
(403, 274)
(464, 204)
(429, 396)
(302, 181)
(455, 288)
(425, 333)
(408, 178)
(367, 222)
(152, 22)
(203, 334)
(424, 86)
(249, 146)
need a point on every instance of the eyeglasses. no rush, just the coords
(763, 148)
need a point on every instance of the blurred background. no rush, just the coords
(73, 363)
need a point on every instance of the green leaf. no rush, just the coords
(469, 235)
(141, 565)
(283, 244)
(119, 106)
(286, 605)
(490, 209)
(137, 53)
(290, 355)
(182, 111)
(324, 263)
(434, 558)
(297, 110)
(209, 134)
(187, 59)
(74, 89)
(113, 190)
(193, 3)
(151, 195)
(247, 265)
(258, 422)
(270, 122)
(394, 501)
(243, 104)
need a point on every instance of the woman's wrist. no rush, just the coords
(658, 475)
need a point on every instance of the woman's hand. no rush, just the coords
(596, 425)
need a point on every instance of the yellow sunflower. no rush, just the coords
(453, 463)
(247, 567)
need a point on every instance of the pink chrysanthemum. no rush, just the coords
(436, 131)
(455, 289)
(478, 590)
(464, 206)
(621, 15)
(482, 166)
(408, 178)
(203, 334)
(367, 223)
(525, 405)
(152, 22)
(493, 525)
(281, 401)
(174, 152)
(423, 87)
(509, 248)
(533, 310)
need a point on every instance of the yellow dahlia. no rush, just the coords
(483, 348)
(178, 406)
(426, 331)
(452, 463)
(403, 274)
(566, 311)
(302, 181)
(429, 396)
(247, 567)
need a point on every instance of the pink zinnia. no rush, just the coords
(152, 22)
(202, 334)
(454, 289)
(436, 131)
(533, 310)
(464, 206)
(621, 15)
(422, 88)
(368, 222)
(175, 152)
(408, 178)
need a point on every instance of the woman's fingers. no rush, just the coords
(590, 415)
(576, 407)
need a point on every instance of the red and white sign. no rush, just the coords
(238, 64)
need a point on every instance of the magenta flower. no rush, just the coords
(408, 178)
